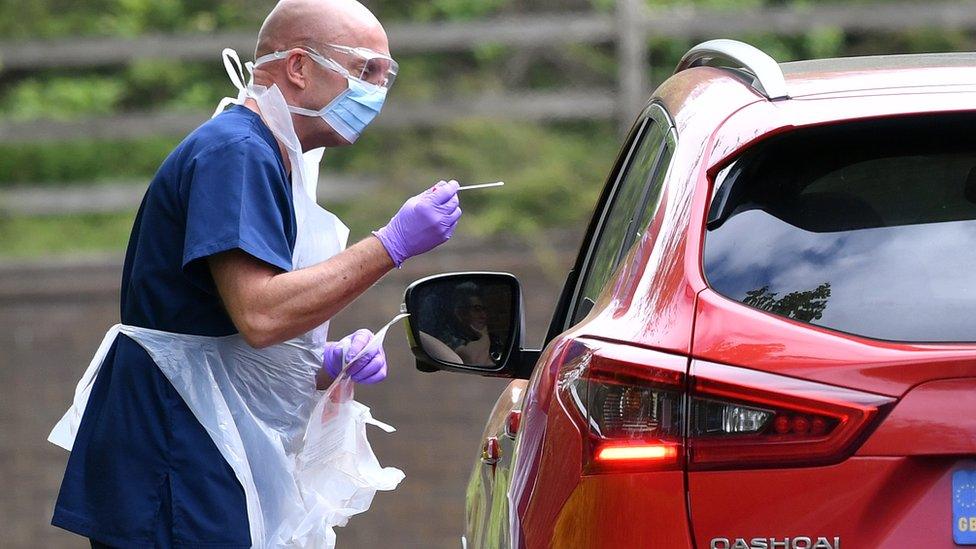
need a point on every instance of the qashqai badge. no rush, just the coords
(798, 542)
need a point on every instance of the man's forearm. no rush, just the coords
(270, 307)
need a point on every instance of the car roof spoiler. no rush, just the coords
(764, 73)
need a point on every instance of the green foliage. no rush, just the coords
(81, 161)
(552, 178)
(552, 174)
(144, 85)
(154, 84)
(31, 236)
(60, 98)
(454, 9)
(805, 306)
(434, 10)
(58, 18)
(737, 5)
(820, 43)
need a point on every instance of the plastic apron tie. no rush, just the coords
(279, 120)
(232, 64)
(256, 404)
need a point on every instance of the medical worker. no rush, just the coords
(231, 274)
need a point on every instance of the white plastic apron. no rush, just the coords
(256, 404)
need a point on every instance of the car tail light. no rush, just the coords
(630, 404)
(637, 409)
(792, 422)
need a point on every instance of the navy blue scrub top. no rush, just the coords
(143, 471)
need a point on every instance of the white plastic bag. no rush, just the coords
(336, 470)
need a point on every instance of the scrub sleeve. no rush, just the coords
(229, 205)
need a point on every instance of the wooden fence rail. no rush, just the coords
(125, 196)
(533, 30)
(532, 106)
(628, 28)
(404, 38)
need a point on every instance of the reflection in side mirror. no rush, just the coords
(438, 350)
(468, 321)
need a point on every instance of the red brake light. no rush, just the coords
(637, 452)
(634, 409)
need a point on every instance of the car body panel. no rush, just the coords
(550, 469)
(663, 320)
(765, 119)
(487, 495)
(934, 418)
(569, 508)
(652, 299)
(624, 510)
(881, 72)
(729, 332)
(900, 502)
(528, 452)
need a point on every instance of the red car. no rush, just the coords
(768, 340)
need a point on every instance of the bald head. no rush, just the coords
(294, 26)
(312, 23)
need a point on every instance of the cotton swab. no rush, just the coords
(482, 186)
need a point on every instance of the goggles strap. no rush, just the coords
(268, 57)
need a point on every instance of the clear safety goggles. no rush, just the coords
(361, 64)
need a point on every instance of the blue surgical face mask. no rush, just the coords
(352, 110)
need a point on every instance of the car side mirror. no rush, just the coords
(468, 322)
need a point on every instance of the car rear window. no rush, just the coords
(867, 228)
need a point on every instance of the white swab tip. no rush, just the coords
(482, 186)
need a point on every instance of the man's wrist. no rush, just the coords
(389, 247)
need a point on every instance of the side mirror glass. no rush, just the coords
(465, 322)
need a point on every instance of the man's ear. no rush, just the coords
(295, 65)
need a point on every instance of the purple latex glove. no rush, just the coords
(368, 369)
(423, 223)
